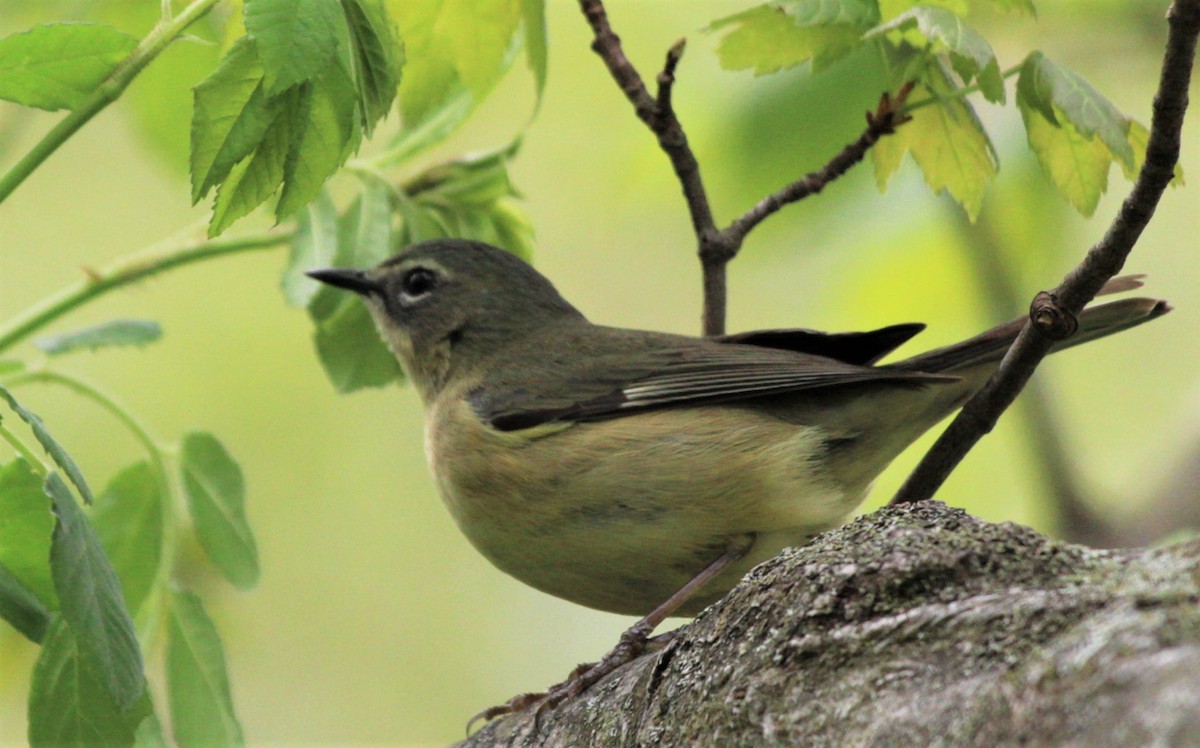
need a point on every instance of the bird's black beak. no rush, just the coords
(351, 280)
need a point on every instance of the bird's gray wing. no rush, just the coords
(599, 384)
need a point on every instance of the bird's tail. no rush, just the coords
(990, 346)
(969, 363)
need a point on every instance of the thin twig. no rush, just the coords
(717, 247)
(883, 121)
(666, 79)
(125, 271)
(1103, 261)
(663, 124)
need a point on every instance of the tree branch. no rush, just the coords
(917, 625)
(717, 247)
(883, 121)
(1053, 313)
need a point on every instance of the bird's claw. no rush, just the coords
(632, 643)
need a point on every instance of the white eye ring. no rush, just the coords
(418, 282)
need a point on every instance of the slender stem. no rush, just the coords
(15, 442)
(957, 93)
(108, 92)
(105, 401)
(123, 272)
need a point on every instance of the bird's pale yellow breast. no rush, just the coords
(618, 514)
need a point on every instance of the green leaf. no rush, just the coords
(449, 219)
(26, 526)
(57, 66)
(378, 56)
(295, 39)
(1020, 6)
(946, 140)
(255, 178)
(474, 181)
(513, 228)
(129, 522)
(784, 34)
(327, 136)
(52, 447)
(889, 9)
(970, 54)
(1065, 99)
(350, 349)
(892, 8)
(1074, 131)
(90, 599)
(533, 20)
(453, 45)
(313, 246)
(9, 366)
(478, 225)
(216, 498)
(68, 702)
(21, 608)
(366, 227)
(1139, 139)
(886, 156)
(347, 343)
(137, 332)
(469, 198)
(419, 223)
(150, 733)
(249, 141)
(230, 117)
(1077, 166)
(197, 683)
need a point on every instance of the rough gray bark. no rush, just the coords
(916, 626)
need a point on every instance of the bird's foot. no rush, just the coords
(633, 643)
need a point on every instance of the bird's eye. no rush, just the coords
(418, 282)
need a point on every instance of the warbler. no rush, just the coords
(612, 467)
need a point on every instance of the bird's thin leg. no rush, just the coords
(631, 644)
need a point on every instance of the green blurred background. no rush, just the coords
(375, 621)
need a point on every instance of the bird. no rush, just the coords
(640, 472)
